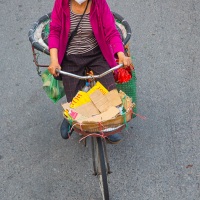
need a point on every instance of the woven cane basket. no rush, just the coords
(92, 127)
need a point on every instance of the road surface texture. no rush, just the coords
(159, 158)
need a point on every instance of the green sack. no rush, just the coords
(53, 88)
(129, 88)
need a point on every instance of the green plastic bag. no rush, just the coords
(130, 89)
(53, 88)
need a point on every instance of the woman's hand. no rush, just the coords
(124, 59)
(52, 68)
(54, 62)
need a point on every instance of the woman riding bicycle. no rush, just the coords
(95, 44)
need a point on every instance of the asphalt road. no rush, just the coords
(159, 158)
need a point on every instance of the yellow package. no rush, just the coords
(80, 99)
(97, 86)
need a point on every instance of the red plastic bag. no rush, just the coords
(122, 75)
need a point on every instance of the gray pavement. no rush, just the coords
(159, 157)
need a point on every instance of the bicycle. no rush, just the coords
(38, 36)
(101, 165)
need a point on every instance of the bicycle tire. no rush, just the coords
(101, 169)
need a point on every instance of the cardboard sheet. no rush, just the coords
(109, 114)
(100, 101)
(113, 98)
(126, 101)
(87, 109)
(72, 113)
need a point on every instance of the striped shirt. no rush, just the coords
(84, 41)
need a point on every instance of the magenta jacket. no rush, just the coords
(103, 25)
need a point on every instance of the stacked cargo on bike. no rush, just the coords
(99, 110)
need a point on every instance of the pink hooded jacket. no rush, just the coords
(103, 25)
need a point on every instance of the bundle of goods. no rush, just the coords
(98, 109)
(53, 88)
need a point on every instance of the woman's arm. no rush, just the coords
(53, 39)
(54, 62)
(112, 35)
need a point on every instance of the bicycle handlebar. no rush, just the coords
(91, 76)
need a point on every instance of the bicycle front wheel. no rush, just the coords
(100, 166)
